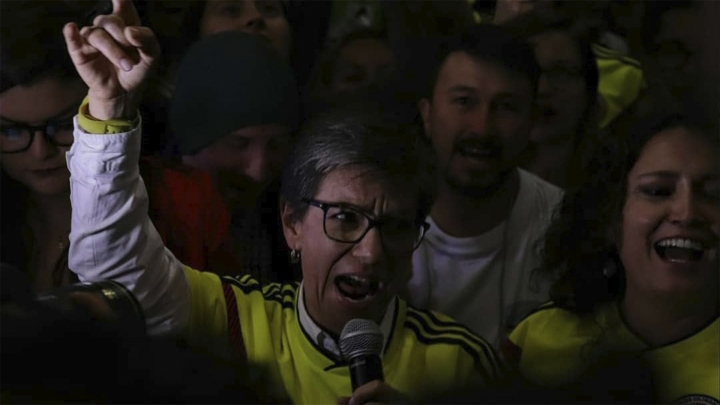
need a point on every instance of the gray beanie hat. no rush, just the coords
(229, 81)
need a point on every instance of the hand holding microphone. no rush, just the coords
(361, 343)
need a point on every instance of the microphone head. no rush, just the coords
(360, 337)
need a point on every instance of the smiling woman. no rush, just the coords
(637, 265)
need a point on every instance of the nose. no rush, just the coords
(544, 85)
(41, 148)
(684, 209)
(370, 248)
(258, 167)
(252, 20)
(481, 120)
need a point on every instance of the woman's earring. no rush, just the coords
(294, 256)
(610, 268)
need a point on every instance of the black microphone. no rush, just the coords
(361, 343)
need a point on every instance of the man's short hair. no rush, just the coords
(489, 43)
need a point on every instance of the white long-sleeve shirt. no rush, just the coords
(111, 235)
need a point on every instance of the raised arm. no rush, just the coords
(112, 236)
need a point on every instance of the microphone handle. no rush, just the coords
(364, 369)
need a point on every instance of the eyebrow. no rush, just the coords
(369, 212)
(671, 175)
(62, 113)
(659, 173)
(467, 89)
(459, 88)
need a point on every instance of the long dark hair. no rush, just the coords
(580, 245)
(30, 53)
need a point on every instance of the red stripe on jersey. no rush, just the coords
(233, 321)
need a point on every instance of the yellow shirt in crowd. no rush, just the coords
(554, 342)
(427, 354)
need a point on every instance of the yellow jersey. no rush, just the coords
(553, 344)
(427, 354)
(620, 80)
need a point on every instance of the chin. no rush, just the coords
(539, 134)
(477, 187)
(47, 189)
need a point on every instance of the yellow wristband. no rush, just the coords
(94, 126)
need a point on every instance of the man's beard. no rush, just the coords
(481, 183)
(479, 190)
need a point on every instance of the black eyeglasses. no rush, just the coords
(347, 224)
(18, 137)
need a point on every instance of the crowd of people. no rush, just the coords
(522, 195)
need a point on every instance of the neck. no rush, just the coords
(659, 321)
(452, 209)
(50, 215)
(549, 162)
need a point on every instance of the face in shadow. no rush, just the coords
(244, 162)
(265, 18)
(675, 50)
(478, 120)
(562, 95)
(362, 63)
(37, 131)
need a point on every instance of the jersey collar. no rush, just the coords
(325, 342)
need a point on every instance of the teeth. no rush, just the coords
(475, 151)
(358, 279)
(681, 243)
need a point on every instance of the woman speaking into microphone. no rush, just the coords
(354, 199)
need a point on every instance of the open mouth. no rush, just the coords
(478, 150)
(680, 250)
(357, 288)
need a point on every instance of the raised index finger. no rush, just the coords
(125, 9)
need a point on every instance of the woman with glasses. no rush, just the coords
(354, 199)
(39, 96)
(566, 94)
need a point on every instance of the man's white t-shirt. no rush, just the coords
(480, 280)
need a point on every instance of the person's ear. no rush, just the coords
(292, 228)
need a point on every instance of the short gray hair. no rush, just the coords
(395, 152)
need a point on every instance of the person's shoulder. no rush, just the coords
(549, 318)
(434, 329)
(538, 197)
(281, 295)
(549, 311)
(449, 346)
(543, 187)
